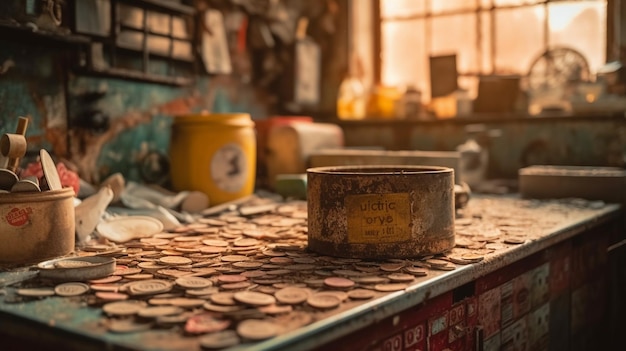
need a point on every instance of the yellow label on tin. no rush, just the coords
(378, 218)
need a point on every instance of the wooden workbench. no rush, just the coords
(564, 253)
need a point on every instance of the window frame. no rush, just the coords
(612, 32)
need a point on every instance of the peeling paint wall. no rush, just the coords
(32, 84)
(101, 125)
(105, 125)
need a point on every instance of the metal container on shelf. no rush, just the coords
(379, 212)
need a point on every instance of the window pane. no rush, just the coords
(130, 16)
(394, 8)
(456, 34)
(159, 22)
(486, 63)
(179, 28)
(580, 26)
(470, 84)
(452, 5)
(519, 38)
(515, 2)
(404, 58)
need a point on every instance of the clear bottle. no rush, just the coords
(412, 103)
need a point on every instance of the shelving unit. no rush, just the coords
(143, 40)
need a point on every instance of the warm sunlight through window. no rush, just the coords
(487, 36)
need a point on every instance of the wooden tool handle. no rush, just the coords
(22, 124)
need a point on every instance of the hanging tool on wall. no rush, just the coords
(215, 53)
(307, 67)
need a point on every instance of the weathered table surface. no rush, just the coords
(77, 323)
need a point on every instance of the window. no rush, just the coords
(488, 37)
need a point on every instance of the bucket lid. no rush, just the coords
(230, 119)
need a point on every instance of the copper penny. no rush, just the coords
(275, 309)
(221, 308)
(231, 278)
(111, 296)
(361, 294)
(246, 242)
(126, 271)
(433, 262)
(234, 258)
(186, 302)
(265, 289)
(173, 319)
(248, 264)
(254, 298)
(472, 257)
(342, 295)
(213, 249)
(447, 267)
(150, 266)
(236, 286)
(223, 298)
(123, 308)
(253, 274)
(139, 276)
(338, 282)
(173, 273)
(154, 241)
(281, 260)
(323, 301)
(514, 240)
(291, 295)
(215, 242)
(256, 329)
(390, 287)
(416, 271)
(149, 287)
(188, 282)
(391, 267)
(71, 289)
(401, 277)
(175, 260)
(219, 340)
(109, 279)
(205, 323)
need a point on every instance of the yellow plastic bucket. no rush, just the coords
(214, 154)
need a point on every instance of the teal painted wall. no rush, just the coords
(34, 82)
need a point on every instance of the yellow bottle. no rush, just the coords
(351, 99)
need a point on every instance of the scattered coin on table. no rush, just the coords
(230, 279)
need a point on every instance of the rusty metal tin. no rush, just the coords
(36, 225)
(379, 212)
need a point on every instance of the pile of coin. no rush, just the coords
(232, 278)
